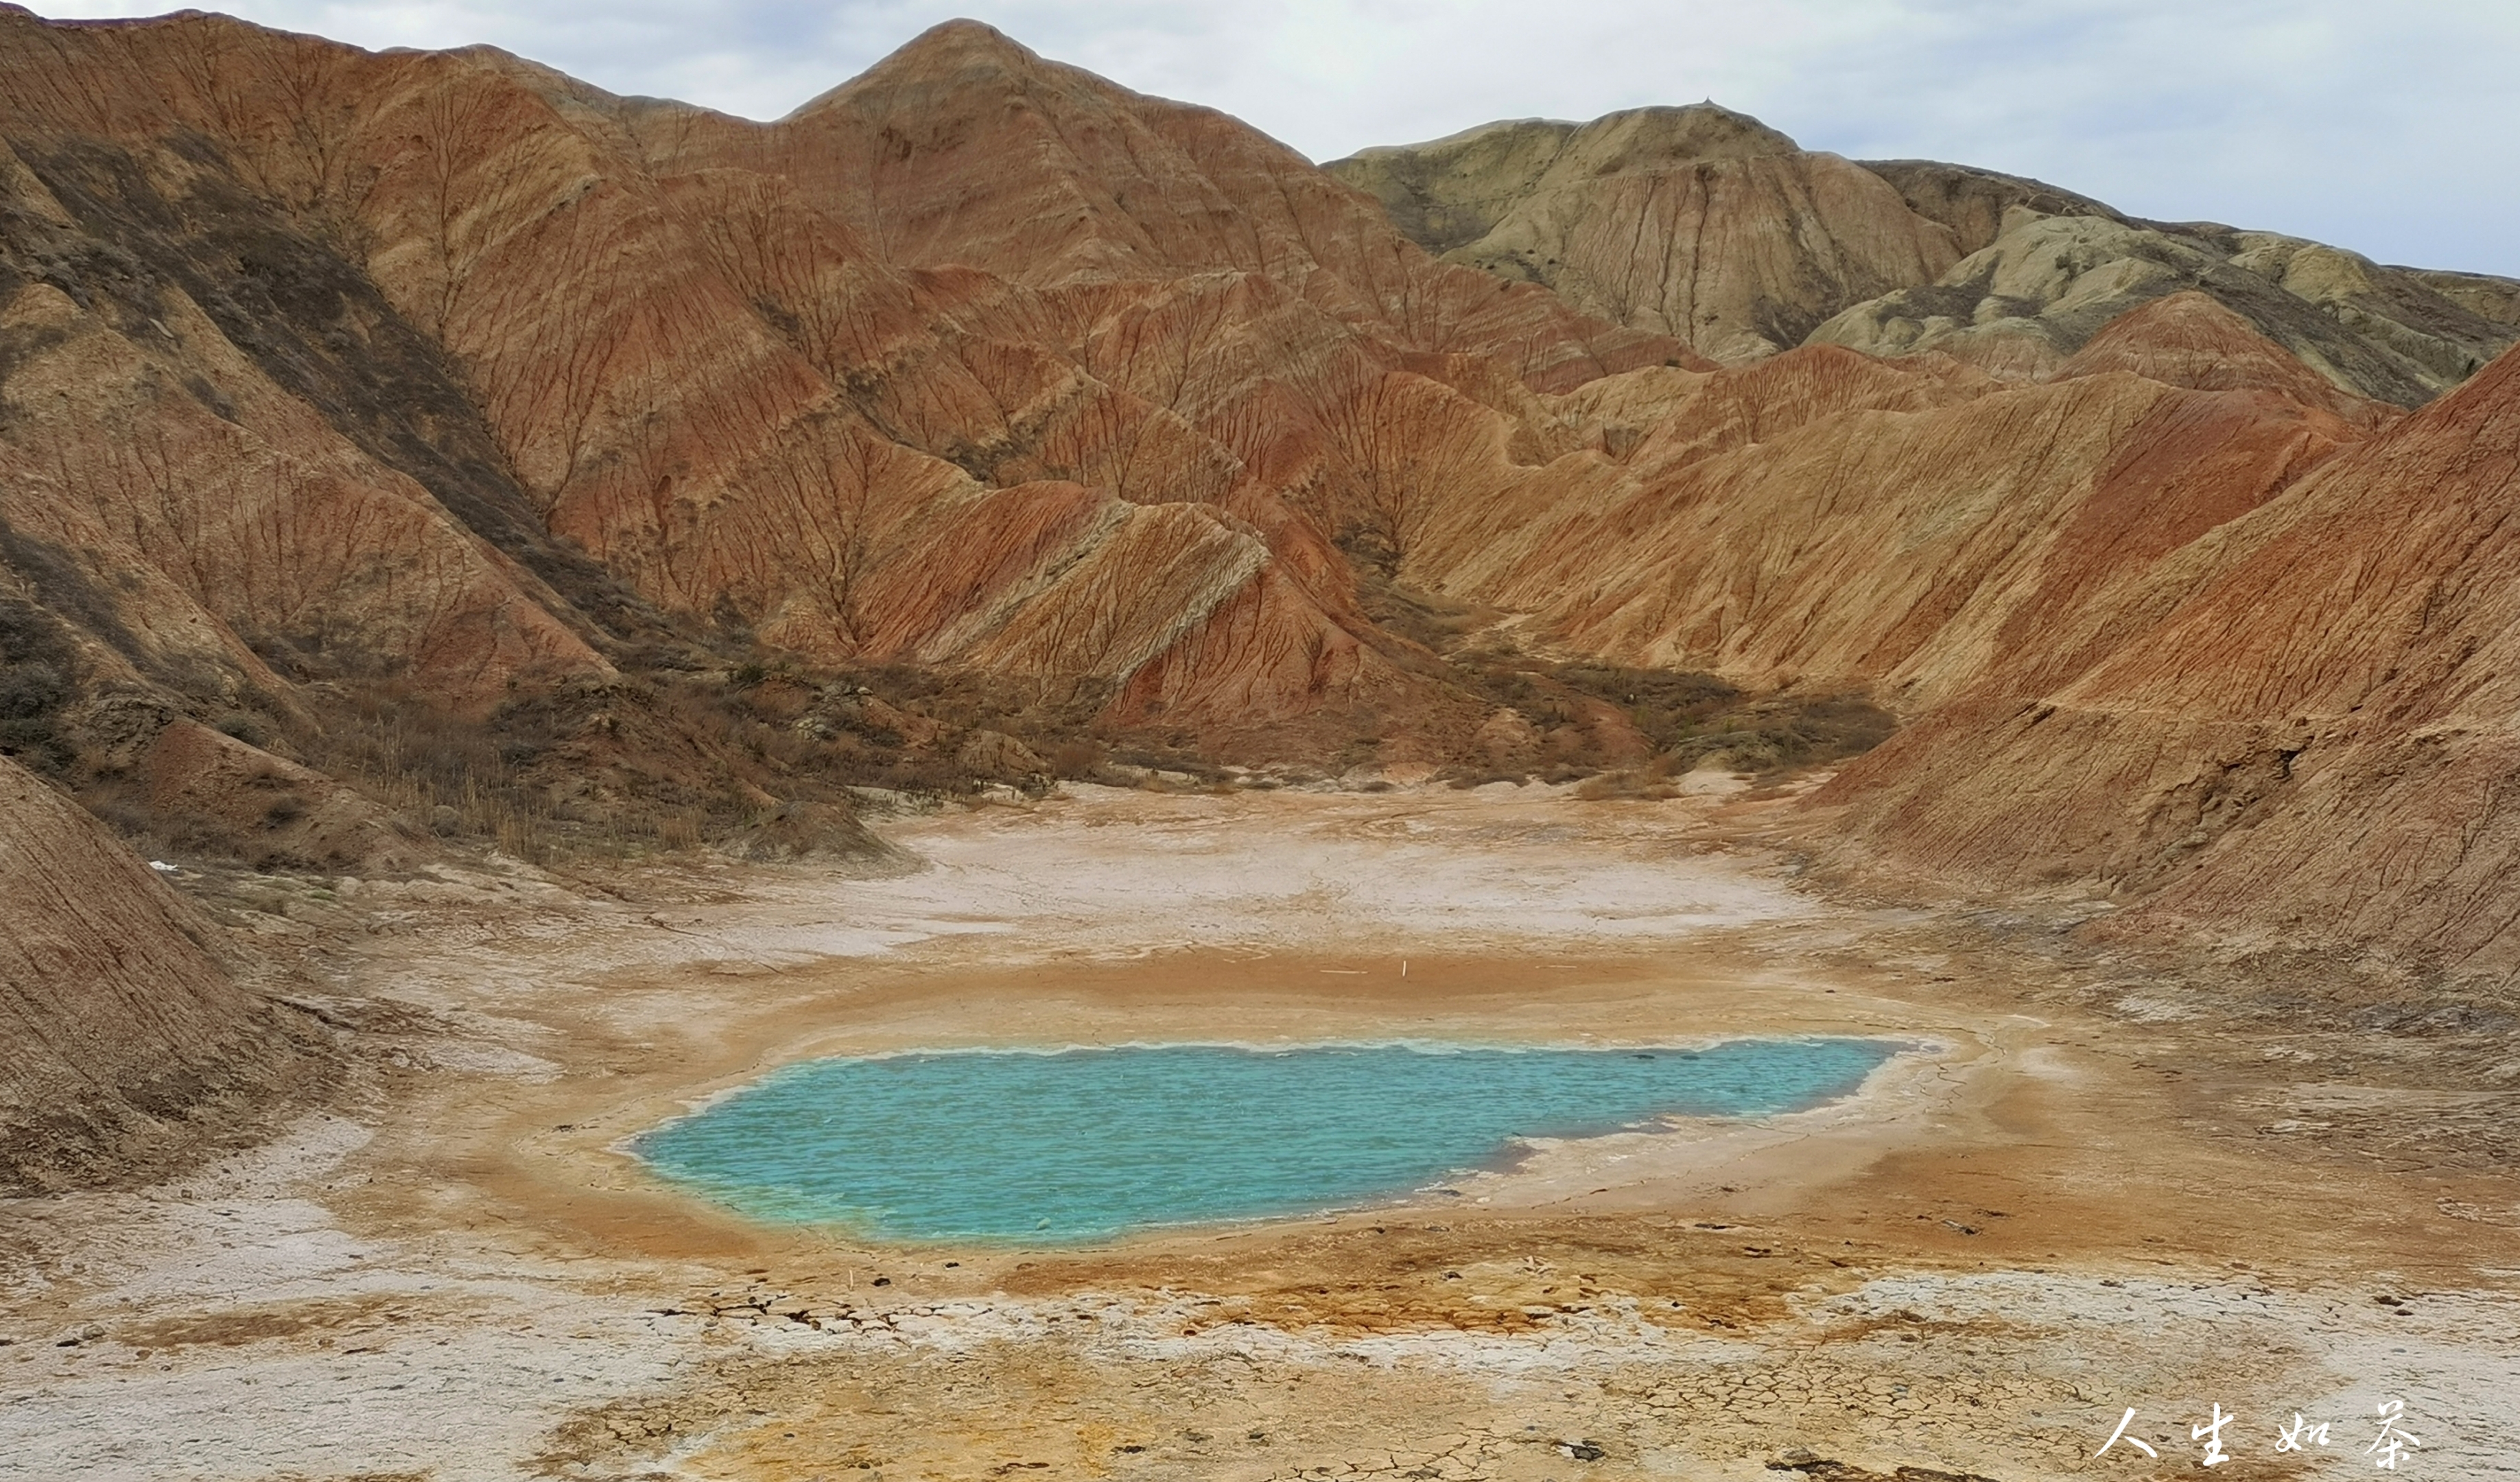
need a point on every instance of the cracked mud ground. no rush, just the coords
(2099, 1181)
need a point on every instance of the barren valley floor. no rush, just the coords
(2090, 1186)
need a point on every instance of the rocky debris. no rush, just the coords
(215, 793)
(1507, 740)
(1803, 1462)
(809, 830)
(860, 709)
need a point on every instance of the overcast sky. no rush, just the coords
(2388, 126)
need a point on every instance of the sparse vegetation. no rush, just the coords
(1634, 729)
(765, 755)
(1694, 718)
(34, 686)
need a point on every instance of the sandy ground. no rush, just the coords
(2091, 1184)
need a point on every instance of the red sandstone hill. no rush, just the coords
(456, 371)
(540, 459)
(977, 361)
(2298, 726)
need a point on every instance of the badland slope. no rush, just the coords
(119, 1034)
(1826, 519)
(450, 370)
(2297, 728)
(454, 375)
(1698, 222)
(1711, 227)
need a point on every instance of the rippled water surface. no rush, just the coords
(1083, 1144)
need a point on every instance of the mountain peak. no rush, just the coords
(959, 42)
(955, 53)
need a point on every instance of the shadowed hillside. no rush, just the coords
(121, 1037)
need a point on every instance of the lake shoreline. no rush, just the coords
(2020, 1223)
(1099, 1145)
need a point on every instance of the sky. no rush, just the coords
(2391, 127)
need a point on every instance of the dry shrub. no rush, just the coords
(1076, 759)
(1688, 719)
(35, 668)
(1783, 733)
(1685, 717)
(760, 757)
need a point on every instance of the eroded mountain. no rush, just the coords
(1709, 226)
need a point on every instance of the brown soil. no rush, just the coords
(2088, 1189)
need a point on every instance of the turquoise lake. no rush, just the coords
(1085, 1145)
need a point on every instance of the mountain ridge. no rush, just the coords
(2395, 335)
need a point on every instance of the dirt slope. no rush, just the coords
(2305, 736)
(119, 1035)
(1833, 522)
(2192, 339)
(2047, 284)
(979, 361)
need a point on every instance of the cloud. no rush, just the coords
(2378, 128)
